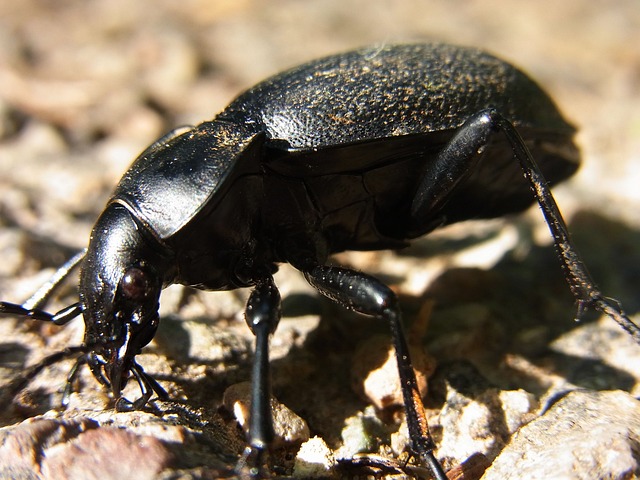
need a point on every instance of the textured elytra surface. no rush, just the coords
(86, 87)
(388, 91)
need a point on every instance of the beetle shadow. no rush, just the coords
(530, 301)
(314, 377)
(12, 353)
(13, 356)
(13, 360)
(520, 307)
(226, 357)
(513, 325)
(428, 246)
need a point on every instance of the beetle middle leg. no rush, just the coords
(456, 162)
(367, 295)
(262, 315)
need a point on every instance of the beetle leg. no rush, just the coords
(147, 384)
(367, 295)
(150, 382)
(455, 163)
(95, 365)
(262, 316)
(580, 282)
(71, 378)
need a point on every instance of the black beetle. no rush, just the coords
(360, 151)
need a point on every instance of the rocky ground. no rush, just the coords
(515, 384)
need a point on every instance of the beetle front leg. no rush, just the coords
(148, 386)
(367, 295)
(456, 162)
(262, 316)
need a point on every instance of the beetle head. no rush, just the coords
(120, 285)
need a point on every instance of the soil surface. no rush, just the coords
(86, 86)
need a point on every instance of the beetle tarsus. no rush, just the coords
(613, 309)
(148, 386)
(253, 464)
(71, 378)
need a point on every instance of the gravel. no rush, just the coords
(510, 380)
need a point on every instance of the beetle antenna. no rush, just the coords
(43, 294)
(62, 317)
(33, 307)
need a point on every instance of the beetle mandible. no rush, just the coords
(365, 150)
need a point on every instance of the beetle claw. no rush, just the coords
(124, 405)
(252, 464)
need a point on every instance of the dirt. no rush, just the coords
(85, 87)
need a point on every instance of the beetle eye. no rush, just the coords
(135, 284)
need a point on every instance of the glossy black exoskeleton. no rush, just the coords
(366, 150)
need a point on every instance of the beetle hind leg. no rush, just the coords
(456, 162)
(367, 295)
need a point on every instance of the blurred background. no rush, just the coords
(87, 85)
